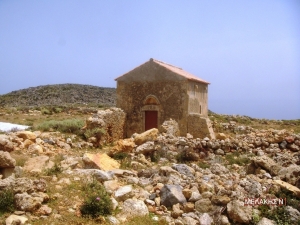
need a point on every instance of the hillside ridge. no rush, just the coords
(59, 94)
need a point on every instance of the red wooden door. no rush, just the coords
(150, 120)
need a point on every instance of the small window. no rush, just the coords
(200, 110)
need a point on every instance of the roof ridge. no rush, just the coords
(166, 63)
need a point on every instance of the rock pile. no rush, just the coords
(181, 180)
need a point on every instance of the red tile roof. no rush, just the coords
(176, 70)
(179, 71)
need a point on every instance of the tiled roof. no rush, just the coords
(176, 70)
(179, 71)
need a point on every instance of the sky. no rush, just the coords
(248, 50)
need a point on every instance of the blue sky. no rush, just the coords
(248, 50)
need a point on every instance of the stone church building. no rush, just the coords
(157, 91)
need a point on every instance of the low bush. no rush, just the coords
(96, 201)
(278, 214)
(119, 155)
(95, 132)
(203, 165)
(236, 158)
(65, 126)
(6, 201)
(56, 169)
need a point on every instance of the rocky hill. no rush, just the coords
(59, 94)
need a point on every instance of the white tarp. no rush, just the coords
(9, 126)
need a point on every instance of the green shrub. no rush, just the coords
(236, 158)
(65, 126)
(203, 165)
(57, 110)
(120, 155)
(95, 132)
(278, 214)
(45, 111)
(96, 201)
(56, 169)
(6, 201)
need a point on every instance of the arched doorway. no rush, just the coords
(151, 112)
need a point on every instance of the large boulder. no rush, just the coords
(6, 144)
(99, 161)
(149, 135)
(171, 195)
(266, 163)
(123, 193)
(26, 135)
(288, 186)
(123, 145)
(6, 161)
(266, 221)
(203, 205)
(38, 164)
(170, 127)
(132, 208)
(146, 148)
(15, 219)
(238, 212)
(290, 174)
(28, 203)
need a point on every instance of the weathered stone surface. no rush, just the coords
(184, 170)
(63, 145)
(266, 163)
(123, 193)
(35, 148)
(111, 186)
(38, 164)
(123, 145)
(221, 136)
(99, 161)
(199, 126)
(290, 174)
(203, 205)
(5, 144)
(23, 184)
(149, 135)
(266, 221)
(220, 200)
(145, 148)
(112, 122)
(28, 203)
(238, 212)
(294, 214)
(170, 127)
(288, 186)
(176, 211)
(26, 135)
(132, 208)
(44, 210)
(6, 160)
(16, 220)
(205, 219)
(293, 147)
(27, 143)
(171, 194)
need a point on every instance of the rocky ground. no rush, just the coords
(156, 174)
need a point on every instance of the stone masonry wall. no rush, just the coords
(200, 127)
(112, 121)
